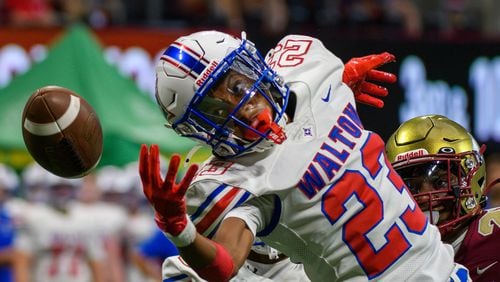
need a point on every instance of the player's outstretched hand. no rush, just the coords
(359, 71)
(166, 196)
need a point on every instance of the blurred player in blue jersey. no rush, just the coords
(292, 164)
(444, 168)
(8, 182)
(149, 254)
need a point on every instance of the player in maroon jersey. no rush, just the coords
(444, 168)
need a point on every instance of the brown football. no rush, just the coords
(62, 132)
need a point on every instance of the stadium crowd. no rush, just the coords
(410, 18)
(108, 206)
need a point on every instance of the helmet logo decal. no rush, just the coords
(206, 73)
(447, 150)
(411, 154)
(185, 59)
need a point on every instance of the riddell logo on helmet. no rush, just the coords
(206, 73)
(411, 154)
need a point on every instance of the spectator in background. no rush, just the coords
(481, 16)
(97, 13)
(72, 11)
(31, 13)
(493, 173)
(50, 13)
(239, 14)
(105, 12)
(407, 14)
(362, 11)
(383, 14)
(489, 20)
(461, 17)
(8, 182)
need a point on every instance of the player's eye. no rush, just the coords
(216, 109)
(440, 184)
(238, 87)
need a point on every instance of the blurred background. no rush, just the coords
(446, 52)
(448, 62)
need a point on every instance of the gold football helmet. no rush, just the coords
(443, 167)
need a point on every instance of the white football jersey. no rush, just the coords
(207, 204)
(109, 221)
(112, 218)
(175, 269)
(61, 244)
(340, 209)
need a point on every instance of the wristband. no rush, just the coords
(220, 269)
(186, 237)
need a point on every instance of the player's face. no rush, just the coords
(61, 195)
(226, 96)
(430, 196)
(431, 185)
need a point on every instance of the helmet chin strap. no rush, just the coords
(262, 123)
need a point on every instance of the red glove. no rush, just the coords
(166, 197)
(358, 70)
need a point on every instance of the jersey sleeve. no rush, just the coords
(174, 268)
(305, 60)
(209, 201)
(258, 213)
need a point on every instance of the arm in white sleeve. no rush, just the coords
(256, 212)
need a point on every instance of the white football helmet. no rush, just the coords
(62, 191)
(189, 69)
(34, 180)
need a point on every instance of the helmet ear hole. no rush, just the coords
(171, 107)
(481, 181)
(164, 106)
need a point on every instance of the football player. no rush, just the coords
(291, 162)
(112, 217)
(444, 168)
(8, 183)
(54, 243)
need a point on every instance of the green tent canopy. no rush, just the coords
(128, 116)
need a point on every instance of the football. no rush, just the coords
(62, 132)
